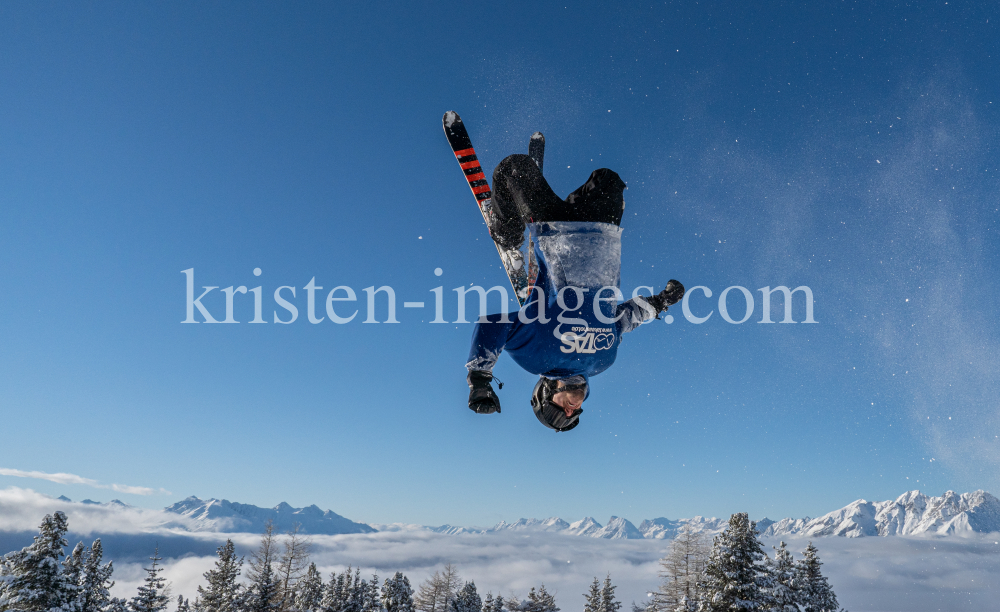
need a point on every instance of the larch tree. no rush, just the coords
(292, 563)
(264, 589)
(436, 592)
(682, 570)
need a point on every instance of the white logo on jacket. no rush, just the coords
(587, 340)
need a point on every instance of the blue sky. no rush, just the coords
(840, 146)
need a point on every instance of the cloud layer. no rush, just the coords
(869, 574)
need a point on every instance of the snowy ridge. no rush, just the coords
(911, 513)
(230, 517)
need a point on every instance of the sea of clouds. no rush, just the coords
(869, 574)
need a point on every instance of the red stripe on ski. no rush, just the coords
(476, 177)
(480, 189)
(465, 152)
(470, 164)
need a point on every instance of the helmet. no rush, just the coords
(549, 414)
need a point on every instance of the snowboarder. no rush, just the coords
(572, 322)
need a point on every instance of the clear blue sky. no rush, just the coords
(837, 145)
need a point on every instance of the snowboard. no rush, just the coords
(461, 145)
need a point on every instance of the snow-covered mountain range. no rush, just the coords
(909, 514)
(231, 517)
(912, 513)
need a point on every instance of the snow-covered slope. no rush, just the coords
(230, 517)
(909, 514)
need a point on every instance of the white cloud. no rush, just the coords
(63, 478)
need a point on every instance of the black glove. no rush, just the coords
(672, 294)
(482, 399)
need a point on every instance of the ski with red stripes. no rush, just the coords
(461, 144)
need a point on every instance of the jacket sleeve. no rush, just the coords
(633, 313)
(488, 341)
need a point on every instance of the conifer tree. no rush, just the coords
(356, 592)
(335, 594)
(309, 591)
(223, 593)
(815, 593)
(370, 596)
(33, 580)
(784, 593)
(152, 596)
(682, 570)
(608, 601)
(467, 599)
(182, 604)
(436, 592)
(263, 595)
(736, 578)
(94, 594)
(73, 565)
(292, 563)
(397, 595)
(592, 598)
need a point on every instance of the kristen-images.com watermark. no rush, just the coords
(339, 304)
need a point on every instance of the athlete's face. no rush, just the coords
(569, 401)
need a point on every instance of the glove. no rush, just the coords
(672, 294)
(482, 399)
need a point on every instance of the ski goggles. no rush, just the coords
(554, 417)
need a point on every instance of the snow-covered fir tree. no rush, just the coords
(784, 593)
(33, 580)
(356, 593)
(223, 593)
(608, 601)
(182, 604)
(467, 599)
(263, 592)
(309, 591)
(370, 596)
(491, 604)
(592, 599)
(397, 595)
(815, 593)
(736, 577)
(539, 600)
(94, 594)
(152, 596)
(73, 564)
(335, 592)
